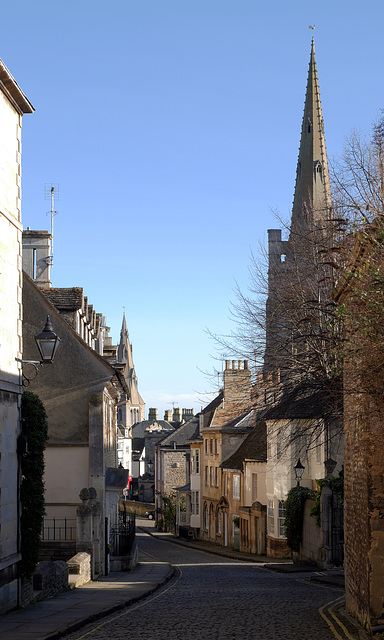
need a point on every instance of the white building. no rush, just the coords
(13, 104)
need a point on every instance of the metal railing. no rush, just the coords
(122, 536)
(58, 529)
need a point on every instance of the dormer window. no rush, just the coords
(283, 257)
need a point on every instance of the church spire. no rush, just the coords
(312, 189)
(124, 330)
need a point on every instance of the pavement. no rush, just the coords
(71, 610)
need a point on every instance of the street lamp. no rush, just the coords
(299, 470)
(47, 343)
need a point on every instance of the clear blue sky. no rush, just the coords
(172, 128)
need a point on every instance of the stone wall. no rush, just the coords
(174, 470)
(311, 545)
(364, 511)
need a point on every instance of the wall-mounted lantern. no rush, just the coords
(47, 343)
(299, 470)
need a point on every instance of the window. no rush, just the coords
(225, 484)
(212, 476)
(281, 518)
(195, 503)
(216, 476)
(195, 461)
(206, 476)
(254, 487)
(216, 446)
(271, 518)
(236, 487)
(206, 445)
(211, 446)
(206, 518)
(219, 522)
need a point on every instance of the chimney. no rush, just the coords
(237, 392)
(36, 256)
(176, 414)
(237, 382)
(153, 414)
(187, 414)
(168, 415)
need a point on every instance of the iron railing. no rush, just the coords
(122, 536)
(59, 529)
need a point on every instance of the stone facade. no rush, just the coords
(80, 391)
(13, 104)
(364, 431)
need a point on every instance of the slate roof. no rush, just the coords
(65, 298)
(244, 421)
(138, 445)
(181, 436)
(254, 447)
(302, 403)
(11, 86)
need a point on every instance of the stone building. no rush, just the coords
(360, 290)
(13, 105)
(246, 470)
(229, 423)
(81, 392)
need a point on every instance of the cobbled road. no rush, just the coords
(217, 598)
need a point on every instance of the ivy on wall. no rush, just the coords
(336, 484)
(35, 429)
(294, 515)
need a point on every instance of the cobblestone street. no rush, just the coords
(217, 598)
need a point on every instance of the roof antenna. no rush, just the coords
(51, 190)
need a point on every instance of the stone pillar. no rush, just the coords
(97, 533)
(84, 524)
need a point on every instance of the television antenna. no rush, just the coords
(51, 191)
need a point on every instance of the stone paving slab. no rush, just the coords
(48, 619)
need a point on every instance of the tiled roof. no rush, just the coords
(65, 298)
(302, 403)
(254, 447)
(181, 436)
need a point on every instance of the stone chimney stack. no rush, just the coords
(168, 415)
(153, 414)
(36, 256)
(237, 381)
(176, 414)
(187, 414)
(236, 392)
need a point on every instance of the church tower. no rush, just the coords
(292, 262)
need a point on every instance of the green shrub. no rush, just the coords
(34, 427)
(294, 515)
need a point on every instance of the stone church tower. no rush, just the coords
(292, 263)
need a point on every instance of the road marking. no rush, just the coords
(330, 605)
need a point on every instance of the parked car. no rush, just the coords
(150, 515)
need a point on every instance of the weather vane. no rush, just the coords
(311, 27)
